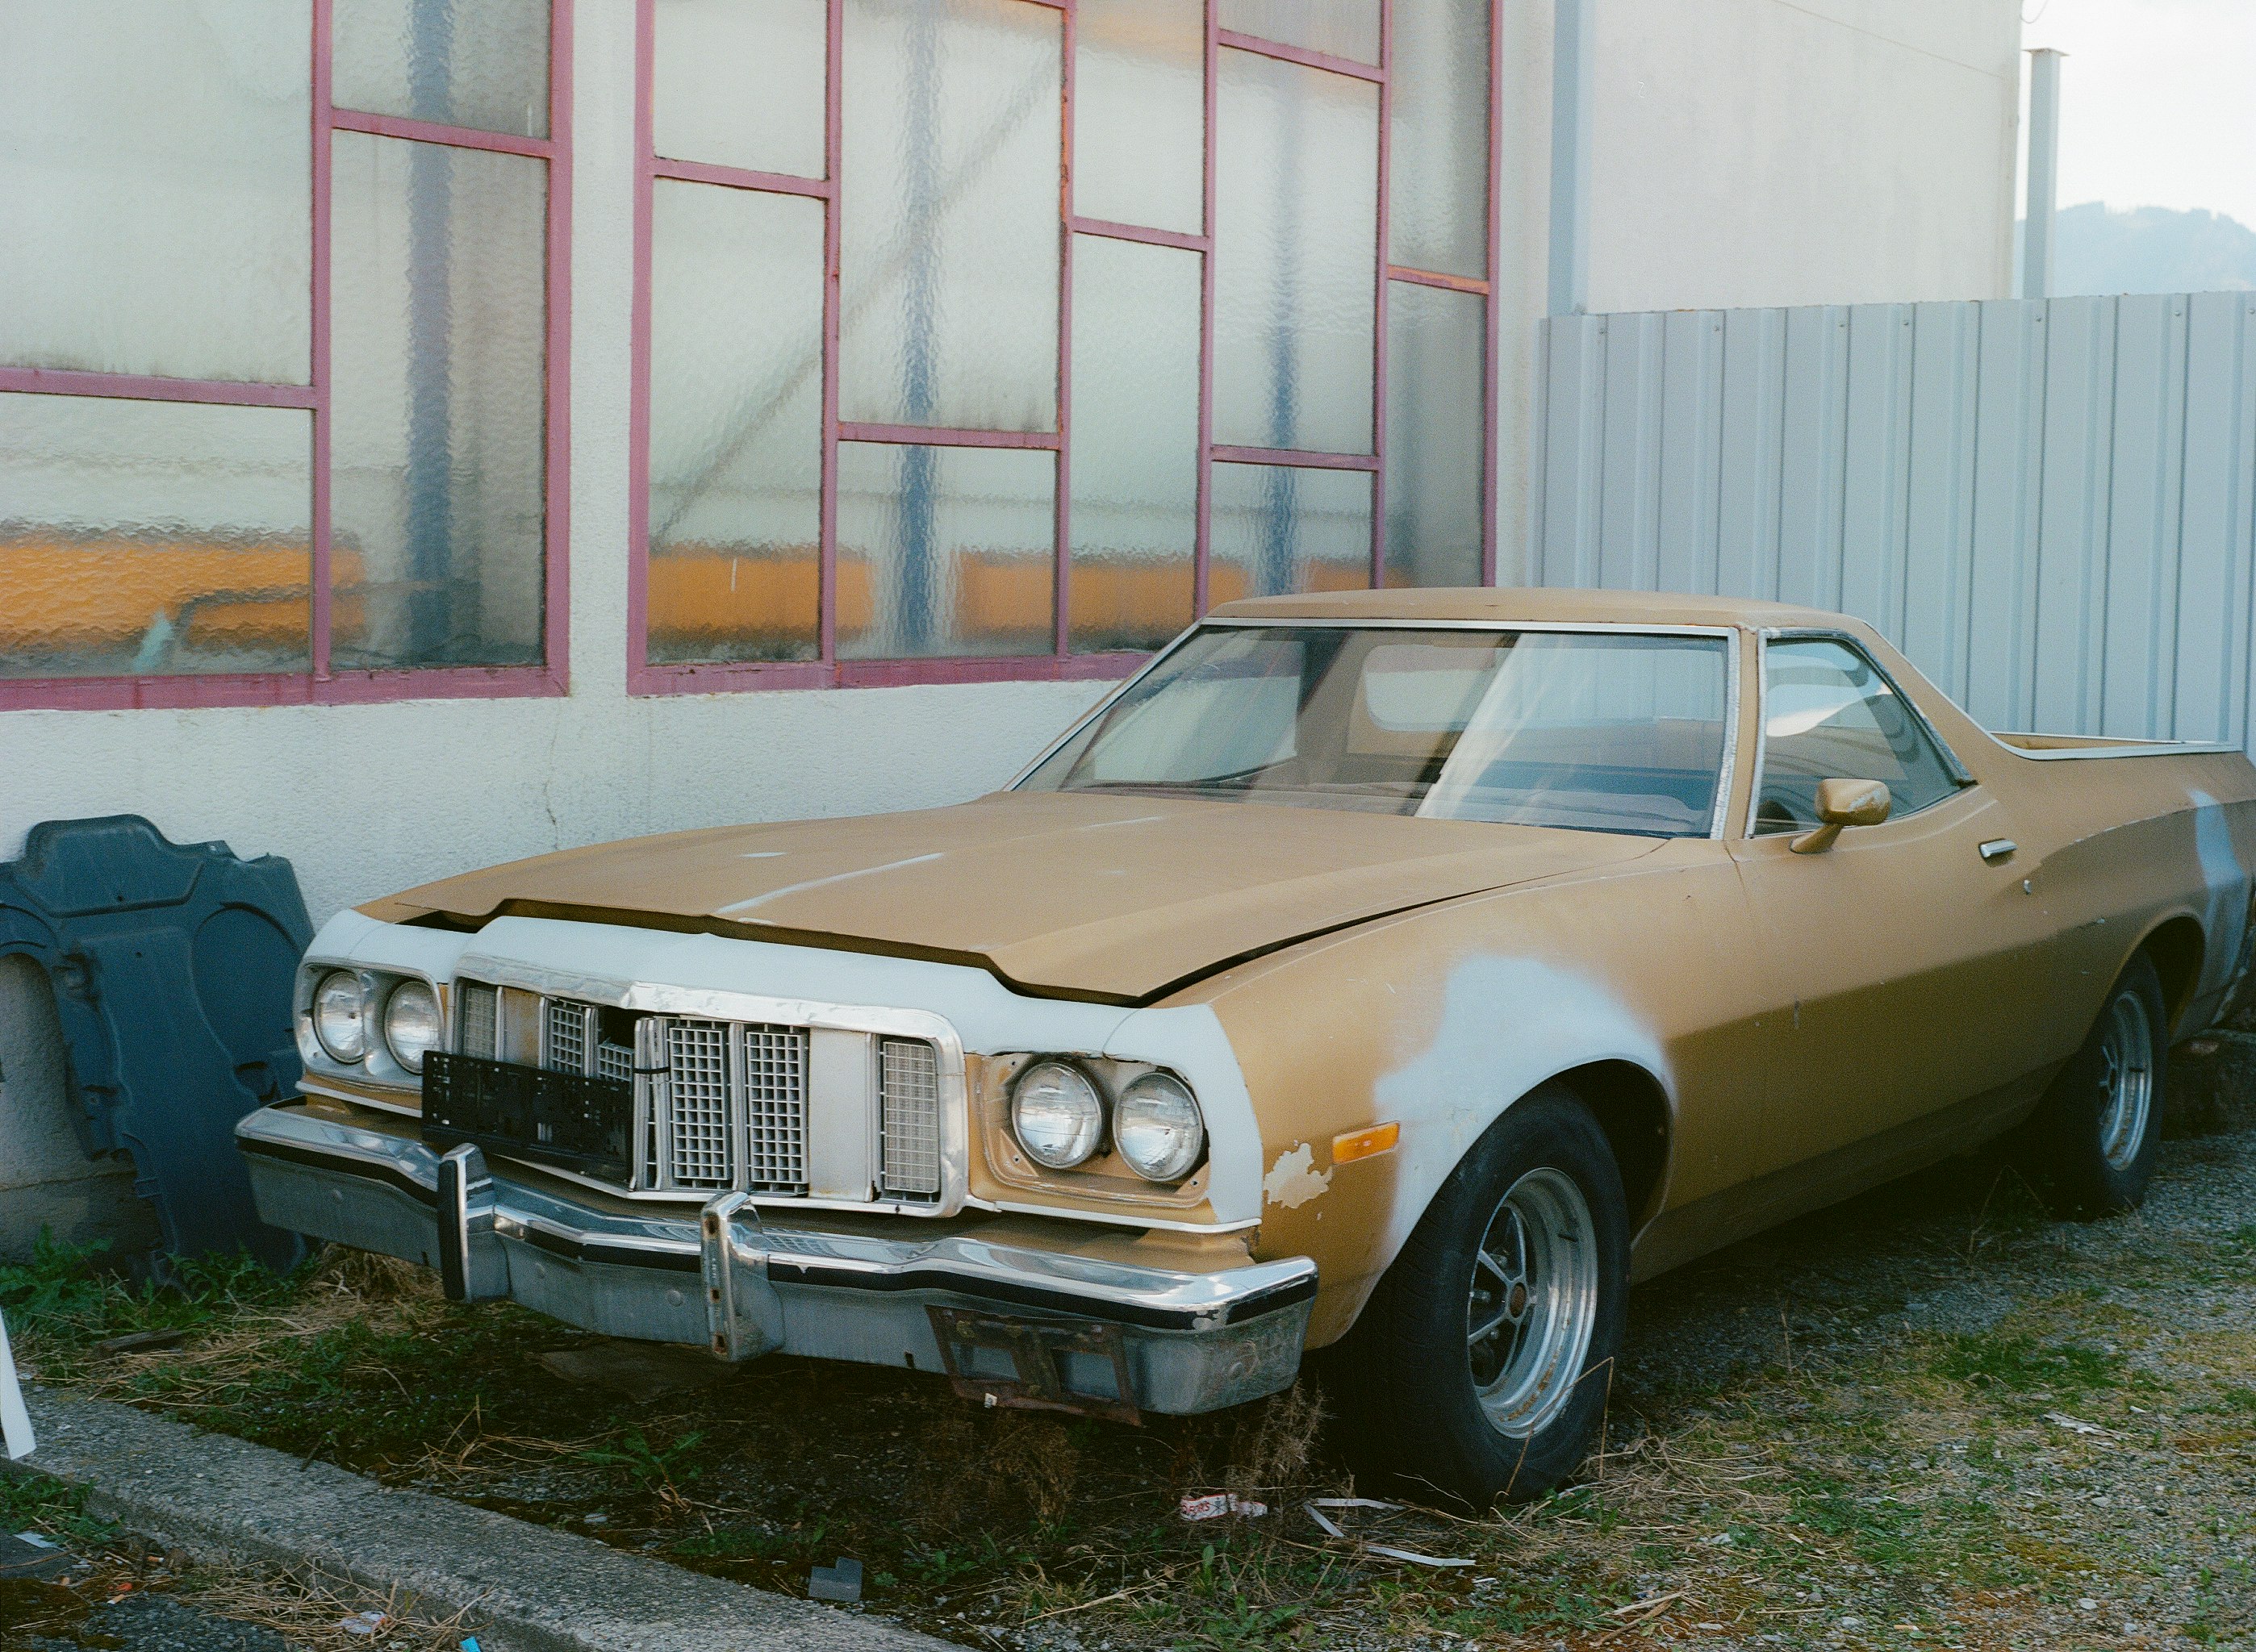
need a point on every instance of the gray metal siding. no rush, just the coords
(2050, 505)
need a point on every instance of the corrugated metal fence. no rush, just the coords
(2049, 506)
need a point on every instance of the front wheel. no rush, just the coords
(1480, 1368)
(2091, 1144)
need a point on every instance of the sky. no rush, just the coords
(2158, 100)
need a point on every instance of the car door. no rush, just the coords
(1907, 965)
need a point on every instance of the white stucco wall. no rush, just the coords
(1758, 152)
(1803, 151)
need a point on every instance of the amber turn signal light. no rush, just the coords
(1362, 1144)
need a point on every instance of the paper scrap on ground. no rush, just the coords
(1221, 1503)
(15, 1422)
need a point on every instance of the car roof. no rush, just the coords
(1534, 605)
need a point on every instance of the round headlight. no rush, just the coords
(411, 1023)
(1157, 1128)
(1057, 1114)
(341, 1015)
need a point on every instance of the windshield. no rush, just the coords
(1596, 731)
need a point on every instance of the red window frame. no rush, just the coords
(1061, 664)
(321, 685)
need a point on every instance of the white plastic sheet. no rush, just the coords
(15, 1422)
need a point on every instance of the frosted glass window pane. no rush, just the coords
(1140, 113)
(735, 424)
(1279, 530)
(1339, 28)
(740, 83)
(1434, 342)
(156, 198)
(436, 440)
(477, 63)
(945, 550)
(153, 539)
(1437, 153)
(1135, 443)
(950, 261)
(1296, 222)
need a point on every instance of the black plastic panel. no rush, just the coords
(172, 964)
(564, 1118)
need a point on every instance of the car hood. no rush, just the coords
(1117, 898)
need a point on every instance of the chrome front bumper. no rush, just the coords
(724, 1279)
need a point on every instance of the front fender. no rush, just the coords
(1495, 1028)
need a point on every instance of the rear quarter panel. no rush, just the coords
(2122, 846)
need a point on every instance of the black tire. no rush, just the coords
(1404, 1379)
(2084, 1149)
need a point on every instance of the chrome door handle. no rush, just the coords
(1997, 851)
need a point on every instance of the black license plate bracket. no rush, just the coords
(569, 1119)
(1045, 1356)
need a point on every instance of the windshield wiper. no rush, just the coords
(1233, 778)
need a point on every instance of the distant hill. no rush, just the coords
(2152, 249)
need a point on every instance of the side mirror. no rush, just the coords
(1844, 803)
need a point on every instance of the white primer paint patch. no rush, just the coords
(1507, 1024)
(2226, 916)
(1294, 1180)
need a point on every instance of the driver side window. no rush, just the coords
(1829, 715)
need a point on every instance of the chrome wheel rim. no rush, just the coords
(1534, 1302)
(2126, 1055)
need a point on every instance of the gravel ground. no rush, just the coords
(154, 1623)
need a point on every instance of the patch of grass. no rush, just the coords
(651, 1467)
(2021, 1363)
(68, 1297)
(35, 1502)
(746, 1542)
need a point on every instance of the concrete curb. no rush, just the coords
(532, 1588)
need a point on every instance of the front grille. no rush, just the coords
(615, 1060)
(480, 1014)
(908, 1097)
(693, 1122)
(564, 1035)
(775, 1110)
(721, 1106)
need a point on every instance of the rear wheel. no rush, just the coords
(1481, 1366)
(2090, 1143)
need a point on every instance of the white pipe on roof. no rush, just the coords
(1574, 96)
(2044, 173)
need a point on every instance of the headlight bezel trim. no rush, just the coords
(377, 1076)
(1107, 1175)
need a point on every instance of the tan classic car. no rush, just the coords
(1399, 975)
